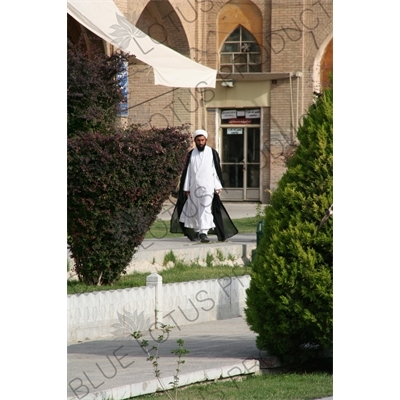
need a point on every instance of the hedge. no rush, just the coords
(116, 188)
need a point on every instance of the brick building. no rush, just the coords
(271, 57)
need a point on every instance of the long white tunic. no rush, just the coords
(202, 181)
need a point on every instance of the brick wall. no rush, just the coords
(297, 31)
(292, 34)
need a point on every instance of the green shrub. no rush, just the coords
(290, 298)
(116, 188)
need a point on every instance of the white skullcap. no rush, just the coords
(199, 132)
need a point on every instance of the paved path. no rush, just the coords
(118, 367)
(235, 210)
(151, 253)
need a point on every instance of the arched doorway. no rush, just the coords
(323, 66)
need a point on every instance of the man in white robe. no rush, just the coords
(201, 182)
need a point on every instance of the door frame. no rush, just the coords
(245, 193)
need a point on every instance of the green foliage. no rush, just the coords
(170, 256)
(154, 357)
(284, 386)
(231, 257)
(116, 188)
(179, 352)
(93, 90)
(160, 228)
(180, 272)
(290, 298)
(209, 259)
(220, 255)
(260, 213)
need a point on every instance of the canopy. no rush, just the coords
(171, 68)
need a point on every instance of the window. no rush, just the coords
(240, 53)
(122, 78)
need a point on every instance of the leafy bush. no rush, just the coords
(93, 91)
(116, 188)
(290, 298)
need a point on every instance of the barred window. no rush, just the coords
(240, 53)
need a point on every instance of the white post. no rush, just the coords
(156, 281)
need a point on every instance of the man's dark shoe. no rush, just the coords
(204, 238)
(195, 238)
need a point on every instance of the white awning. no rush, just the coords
(171, 68)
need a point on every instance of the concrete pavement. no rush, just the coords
(117, 369)
(150, 254)
(238, 249)
(235, 210)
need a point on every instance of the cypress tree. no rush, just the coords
(290, 297)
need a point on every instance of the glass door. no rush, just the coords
(240, 162)
(252, 164)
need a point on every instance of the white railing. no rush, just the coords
(117, 313)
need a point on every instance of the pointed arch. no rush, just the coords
(81, 36)
(239, 37)
(240, 52)
(161, 22)
(234, 13)
(323, 65)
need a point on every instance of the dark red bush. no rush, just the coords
(116, 188)
(94, 91)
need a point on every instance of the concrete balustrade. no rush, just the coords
(118, 313)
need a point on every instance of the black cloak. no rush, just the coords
(224, 227)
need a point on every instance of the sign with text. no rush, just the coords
(228, 114)
(240, 121)
(235, 131)
(253, 113)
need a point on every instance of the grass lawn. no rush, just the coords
(298, 385)
(160, 229)
(181, 272)
(290, 386)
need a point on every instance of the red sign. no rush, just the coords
(240, 121)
